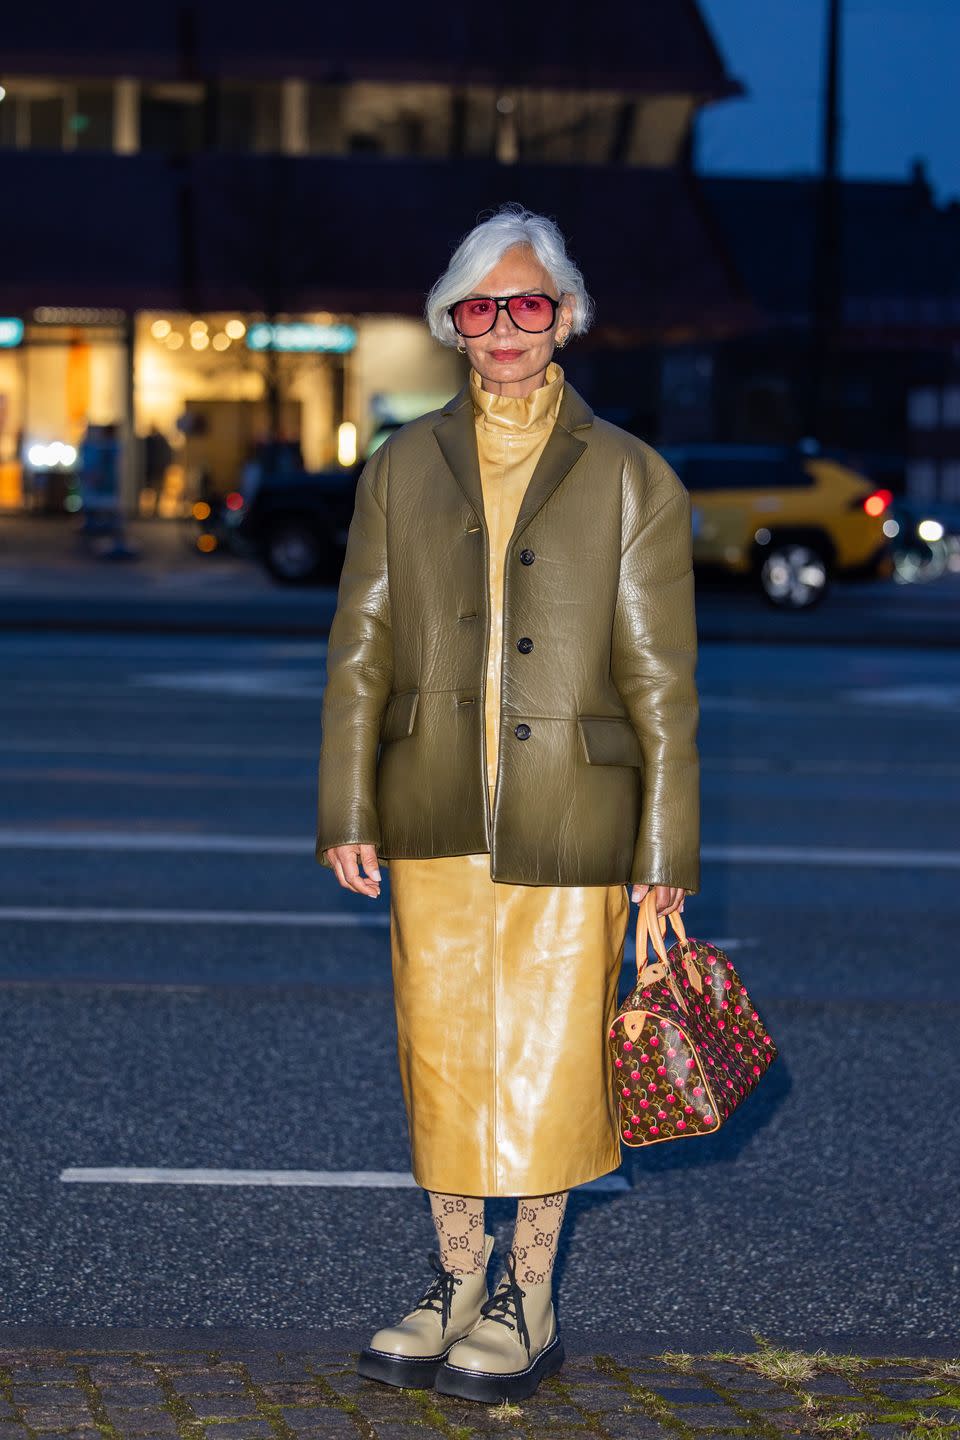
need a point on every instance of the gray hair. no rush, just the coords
(485, 245)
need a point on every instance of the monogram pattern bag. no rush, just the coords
(688, 1044)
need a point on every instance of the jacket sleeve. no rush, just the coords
(654, 657)
(359, 673)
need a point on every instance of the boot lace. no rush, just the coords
(508, 1295)
(438, 1295)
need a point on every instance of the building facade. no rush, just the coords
(225, 219)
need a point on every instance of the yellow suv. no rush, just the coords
(789, 519)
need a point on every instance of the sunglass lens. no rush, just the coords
(531, 312)
(475, 317)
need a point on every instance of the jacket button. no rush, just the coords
(527, 557)
(525, 644)
(522, 731)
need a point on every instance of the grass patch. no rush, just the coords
(786, 1367)
(506, 1410)
(790, 1367)
(677, 1360)
(849, 1425)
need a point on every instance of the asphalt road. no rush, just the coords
(182, 986)
(49, 581)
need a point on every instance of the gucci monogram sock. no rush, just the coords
(458, 1220)
(536, 1234)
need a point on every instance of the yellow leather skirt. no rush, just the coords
(504, 995)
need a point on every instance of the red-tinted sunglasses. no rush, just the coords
(478, 315)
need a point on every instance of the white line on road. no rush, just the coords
(833, 855)
(239, 684)
(156, 841)
(89, 914)
(160, 841)
(325, 1179)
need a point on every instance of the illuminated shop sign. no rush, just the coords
(11, 332)
(302, 335)
(77, 315)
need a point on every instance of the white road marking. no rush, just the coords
(789, 765)
(932, 696)
(154, 841)
(833, 855)
(174, 842)
(61, 745)
(276, 684)
(324, 1179)
(95, 915)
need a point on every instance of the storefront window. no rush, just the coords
(249, 117)
(46, 114)
(91, 123)
(64, 382)
(171, 118)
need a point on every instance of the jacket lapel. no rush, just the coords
(457, 439)
(456, 436)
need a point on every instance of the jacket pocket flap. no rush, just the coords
(399, 715)
(609, 740)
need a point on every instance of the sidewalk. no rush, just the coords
(48, 581)
(193, 1388)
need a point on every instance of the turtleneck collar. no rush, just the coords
(519, 412)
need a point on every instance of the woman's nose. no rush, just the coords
(505, 324)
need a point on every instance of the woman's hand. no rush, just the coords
(669, 897)
(345, 858)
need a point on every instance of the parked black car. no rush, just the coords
(295, 521)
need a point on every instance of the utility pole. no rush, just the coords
(826, 299)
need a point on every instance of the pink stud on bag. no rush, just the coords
(698, 982)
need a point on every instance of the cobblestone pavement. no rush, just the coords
(232, 1393)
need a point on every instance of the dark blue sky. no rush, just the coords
(901, 88)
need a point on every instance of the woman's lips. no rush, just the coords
(506, 354)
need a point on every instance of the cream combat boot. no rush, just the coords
(511, 1349)
(411, 1352)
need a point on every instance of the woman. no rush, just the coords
(515, 631)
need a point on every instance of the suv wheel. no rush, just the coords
(292, 553)
(794, 574)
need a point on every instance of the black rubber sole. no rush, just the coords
(491, 1388)
(406, 1370)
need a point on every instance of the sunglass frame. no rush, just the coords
(503, 303)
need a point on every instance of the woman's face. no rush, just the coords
(510, 361)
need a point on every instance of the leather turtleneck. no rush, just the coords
(511, 434)
(520, 413)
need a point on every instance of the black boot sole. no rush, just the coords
(405, 1370)
(487, 1386)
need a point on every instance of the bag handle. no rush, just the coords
(651, 926)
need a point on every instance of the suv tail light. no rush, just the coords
(875, 504)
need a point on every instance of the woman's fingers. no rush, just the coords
(672, 899)
(669, 897)
(346, 860)
(368, 859)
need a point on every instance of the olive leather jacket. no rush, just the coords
(598, 772)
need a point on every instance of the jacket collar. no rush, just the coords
(457, 438)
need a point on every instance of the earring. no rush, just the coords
(560, 343)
